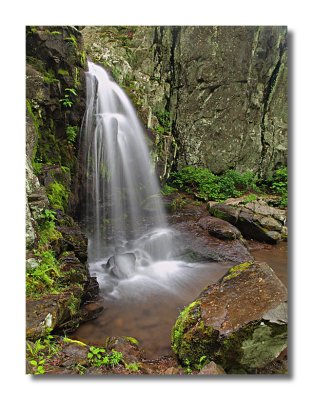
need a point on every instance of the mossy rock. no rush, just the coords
(240, 322)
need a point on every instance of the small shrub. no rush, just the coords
(207, 186)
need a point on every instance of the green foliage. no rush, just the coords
(43, 278)
(57, 195)
(80, 369)
(49, 77)
(69, 96)
(72, 39)
(63, 72)
(76, 78)
(37, 167)
(250, 197)
(83, 58)
(279, 185)
(133, 367)
(167, 189)
(71, 133)
(39, 352)
(207, 186)
(178, 203)
(99, 356)
(73, 305)
(164, 118)
(47, 229)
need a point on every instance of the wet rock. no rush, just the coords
(91, 290)
(75, 354)
(219, 228)
(126, 345)
(122, 265)
(90, 311)
(72, 269)
(51, 311)
(73, 240)
(255, 220)
(212, 369)
(239, 323)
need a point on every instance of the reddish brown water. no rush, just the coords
(276, 256)
(147, 310)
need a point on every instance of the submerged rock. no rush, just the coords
(122, 265)
(239, 322)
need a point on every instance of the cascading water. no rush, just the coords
(122, 190)
(130, 247)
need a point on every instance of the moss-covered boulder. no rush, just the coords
(240, 322)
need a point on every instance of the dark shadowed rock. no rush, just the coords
(239, 322)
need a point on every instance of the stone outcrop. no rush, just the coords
(55, 66)
(209, 96)
(239, 323)
(255, 220)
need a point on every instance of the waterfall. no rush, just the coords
(125, 216)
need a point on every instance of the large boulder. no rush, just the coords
(219, 228)
(255, 220)
(239, 323)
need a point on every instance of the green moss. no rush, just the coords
(266, 343)
(63, 72)
(191, 339)
(237, 269)
(58, 196)
(132, 340)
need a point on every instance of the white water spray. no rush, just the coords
(122, 189)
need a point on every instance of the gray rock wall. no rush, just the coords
(225, 89)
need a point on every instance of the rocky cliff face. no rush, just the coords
(209, 96)
(57, 278)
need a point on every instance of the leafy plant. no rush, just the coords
(279, 185)
(71, 133)
(39, 368)
(72, 39)
(42, 279)
(49, 77)
(68, 99)
(207, 186)
(43, 349)
(99, 356)
(167, 189)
